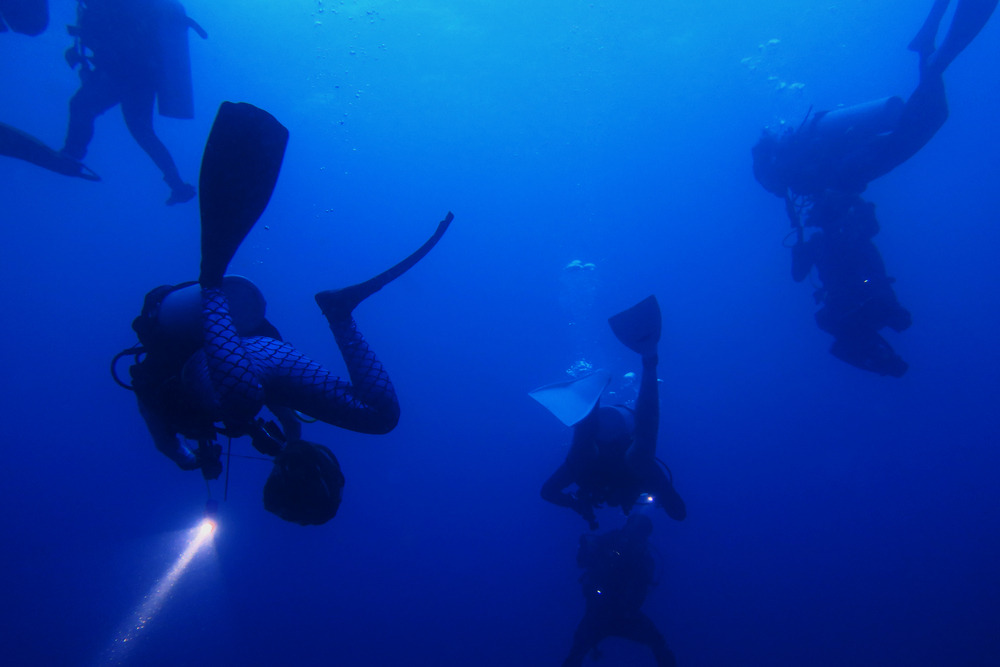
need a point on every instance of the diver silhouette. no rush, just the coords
(618, 573)
(821, 168)
(132, 53)
(208, 355)
(612, 459)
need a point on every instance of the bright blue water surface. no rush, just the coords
(835, 517)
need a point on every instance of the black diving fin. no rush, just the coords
(344, 300)
(239, 169)
(18, 144)
(638, 328)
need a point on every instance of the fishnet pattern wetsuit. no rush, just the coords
(237, 376)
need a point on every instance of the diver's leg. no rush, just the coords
(924, 113)
(367, 404)
(97, 94)
(369, 379)
(923, 42)
(970, 17)
(642, 630)
(137, 109)
(587, 636)
(642, 452)
(237, 393)
(926, 110)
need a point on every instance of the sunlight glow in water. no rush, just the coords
(153, 601)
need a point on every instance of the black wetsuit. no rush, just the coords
(614, 465)
(230, 378)
(619, 572)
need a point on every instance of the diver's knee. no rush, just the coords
(387, 419)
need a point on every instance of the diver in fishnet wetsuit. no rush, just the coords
(188, 380)
(244, 374)
(230, 377)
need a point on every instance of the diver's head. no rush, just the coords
(305, 485)
(639, 526)
(615, 424)
(770, 164)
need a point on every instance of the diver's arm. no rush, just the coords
(166, 439)
(290, 424)
(553, 491)
(553, 488)
(642, 451)
(583, 448)
(665, 493)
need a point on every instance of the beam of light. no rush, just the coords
(151, 604)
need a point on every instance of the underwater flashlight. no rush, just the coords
(205, 529)
(209, 522)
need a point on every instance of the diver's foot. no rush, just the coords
(184, 192)
(340, 303)
(923, 42)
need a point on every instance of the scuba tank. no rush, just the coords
(170, 324)
(866, 119)
(179, 315)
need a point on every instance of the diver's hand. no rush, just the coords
(210, 460)
(585, 510)
(191, 463)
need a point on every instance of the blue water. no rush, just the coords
(835, 517)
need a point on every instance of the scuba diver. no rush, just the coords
(31, 17)
(132, 53)
(27, 17)
(208, 356)
(820, 170)
(618, 573)
(856, 294)
(612, 459)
